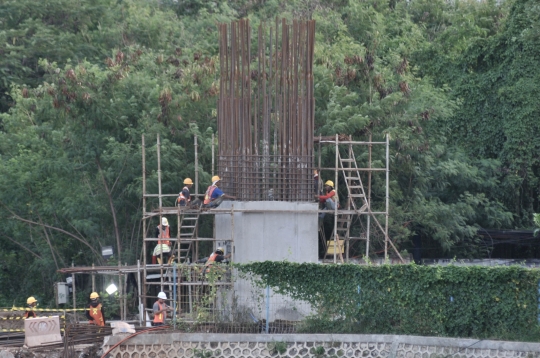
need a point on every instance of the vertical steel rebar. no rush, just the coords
(270, 88)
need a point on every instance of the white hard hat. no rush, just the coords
(162, 295)
(164, 222)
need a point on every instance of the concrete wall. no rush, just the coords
(284, 231)
(314, 345)
(281, 233)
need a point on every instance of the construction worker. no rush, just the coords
(217, 256)
(160, 309)
(184, 197)
(214, 195)
(330, 199)
(163, 247)
(31, 304)
(94, 312)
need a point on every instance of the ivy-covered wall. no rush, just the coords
(455, 301)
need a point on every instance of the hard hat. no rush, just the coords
(215, 179)
(188, 181)
(162, 295)
(30, 300)
(220, 249)
(94, 295)
(329, 183)
(164, 222)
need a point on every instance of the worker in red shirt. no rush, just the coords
(330, 199)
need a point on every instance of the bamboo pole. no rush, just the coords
(387, 198)
(369, 196)
(144, 215)
(335, 208)
(197, 164)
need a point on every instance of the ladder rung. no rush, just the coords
(352, 178)
(190, 218)
(355, 186)
(357, 195)
(187, 227)
(350, 160)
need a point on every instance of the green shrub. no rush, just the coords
(455, 301)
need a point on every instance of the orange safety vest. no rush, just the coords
(181, 196)
(210, 262)
(158, 318)
(164, 235)
(97, 316)
(208, 195)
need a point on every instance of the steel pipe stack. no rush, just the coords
(266, 111)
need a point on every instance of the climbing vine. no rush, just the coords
(458, 301)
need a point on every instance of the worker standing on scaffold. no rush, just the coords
(163, 247)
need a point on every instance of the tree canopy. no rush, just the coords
(452, 83)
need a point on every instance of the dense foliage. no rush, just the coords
(452, 83)
(456, 301)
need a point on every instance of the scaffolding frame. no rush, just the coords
(352, 210)
(166, 269)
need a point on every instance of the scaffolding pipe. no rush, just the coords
(74, 294)
(369, 197)
(387, 198)
(213, 154)
(144, 209)
(335, 207)
(141, 306)
(158, 148)
(197, 166)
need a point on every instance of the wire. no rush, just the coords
(131, 336)
(460, 349)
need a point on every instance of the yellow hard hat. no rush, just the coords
(94, 295)
(188, 181)
(215, 178)
(30, 300)
(220, 249)
(329, 183)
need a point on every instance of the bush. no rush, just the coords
(454, 301)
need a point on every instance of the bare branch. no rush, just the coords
(121, 170)
(21, 245)
(98, 254)
(113, 212)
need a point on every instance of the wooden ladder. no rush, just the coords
(356, 196)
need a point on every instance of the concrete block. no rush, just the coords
(42, 331)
